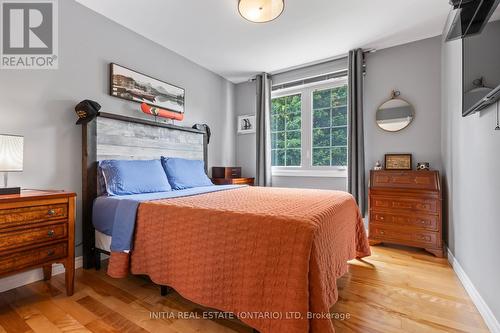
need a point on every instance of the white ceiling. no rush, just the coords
(212, 34)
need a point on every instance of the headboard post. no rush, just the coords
(89, 190)
(112, 136)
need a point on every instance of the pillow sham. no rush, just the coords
(124, 177)
(183, 173)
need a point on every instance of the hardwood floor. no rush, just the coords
(394, 290)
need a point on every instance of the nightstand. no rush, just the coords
(234, 181)
(37, 229)
(230, 175)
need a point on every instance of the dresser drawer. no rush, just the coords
(415, 220)
(404, 236)
(19, 216)
(32, 257)
(226, 172)
(422, 205)
(423, 180)
(9, 240)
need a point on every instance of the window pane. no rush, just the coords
(293, 139)
(321, 137)
(281, 122)
(321, 156)
(274, 123)
(339, 136)
(286, 127)
(293, 157)
(280, 140)
(277, 105)
(339, 116)
(274, 140)
(295, 104)
(339, 96)
(321, 99)
(278, 158)
(293, 121)
(339, 156)
(321, 118)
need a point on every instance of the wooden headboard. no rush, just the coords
(111, 136)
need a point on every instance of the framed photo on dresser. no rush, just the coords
(398, 162)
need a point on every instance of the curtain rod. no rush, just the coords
(310, 64)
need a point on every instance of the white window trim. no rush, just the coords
(307, 169)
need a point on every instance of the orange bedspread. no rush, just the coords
(264, 254)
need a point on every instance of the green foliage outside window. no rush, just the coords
(286, 125)
(330, 127)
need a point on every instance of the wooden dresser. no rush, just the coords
(37, 229)
(405, 208)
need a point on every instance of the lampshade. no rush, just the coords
(260, 11)
(11, 153)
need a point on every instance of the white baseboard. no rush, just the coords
(21, 279)
(476, 298)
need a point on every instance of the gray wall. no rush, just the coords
(415, 70)
(40, 104)
(246, 100)
(470, 149)
(245, 149)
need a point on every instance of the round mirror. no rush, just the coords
(395, 114)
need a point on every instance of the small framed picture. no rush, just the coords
(246, 124)
(398, 161)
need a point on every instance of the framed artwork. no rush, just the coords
(134, 86)
(246, 124)
(398, 161)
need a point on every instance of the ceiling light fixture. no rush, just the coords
(261, 11)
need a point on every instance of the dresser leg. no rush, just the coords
(437, 252)
(165, 290)
(47, 272)
(69, 266)
(374, 242)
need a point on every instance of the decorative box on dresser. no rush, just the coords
(37, 229)
(405, 208)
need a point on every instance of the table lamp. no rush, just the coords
(11, 159)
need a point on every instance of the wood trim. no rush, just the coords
(89, 173)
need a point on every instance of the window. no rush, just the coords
(329, 128)
(309, 129)
(286, 125)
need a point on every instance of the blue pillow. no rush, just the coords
(184, 173)
(124, 177)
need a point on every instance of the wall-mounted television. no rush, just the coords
(481, 68)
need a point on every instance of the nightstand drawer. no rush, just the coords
(9, 240)
(421, 205)
(414, 220)
(33, 257)
(410, 237)
(19, 216)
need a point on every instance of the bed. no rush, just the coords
(269, 255)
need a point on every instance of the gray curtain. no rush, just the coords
(356, 150)
(263, 130)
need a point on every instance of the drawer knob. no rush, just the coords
(51, 212)
(51, 253)
(382, 232)
(51, 233)
(381, 218)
